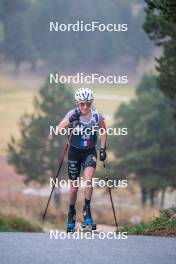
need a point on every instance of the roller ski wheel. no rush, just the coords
(87, 225)
(71, 221)
(88, 228)
(70, 230)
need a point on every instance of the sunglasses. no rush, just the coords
(83, 104)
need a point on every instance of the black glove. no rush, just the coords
(75, 116)
(102, 154)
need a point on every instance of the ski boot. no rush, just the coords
(87, 224)
(71, 220)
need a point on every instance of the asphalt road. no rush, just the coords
(24, 248)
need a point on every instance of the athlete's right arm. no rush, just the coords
(70, 117)
(63, 123)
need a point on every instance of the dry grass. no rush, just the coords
(13, 103)
(31, 208)
(127, 206)
(126, 201)
(24, 80)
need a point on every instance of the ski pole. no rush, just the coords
(60, 166)
(110, 194)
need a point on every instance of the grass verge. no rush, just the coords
(11, 223)
(164, 225)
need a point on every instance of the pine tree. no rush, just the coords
(36, 154)
(148, 151)
(160, 25)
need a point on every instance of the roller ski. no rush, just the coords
(71, 221)
(87, 225)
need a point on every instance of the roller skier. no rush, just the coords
(82, 152)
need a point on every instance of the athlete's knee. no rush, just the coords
(73, 189)
(89, 172)
(88, 183)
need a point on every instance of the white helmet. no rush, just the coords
(84, 95)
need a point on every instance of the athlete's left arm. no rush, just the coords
(104, 134)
